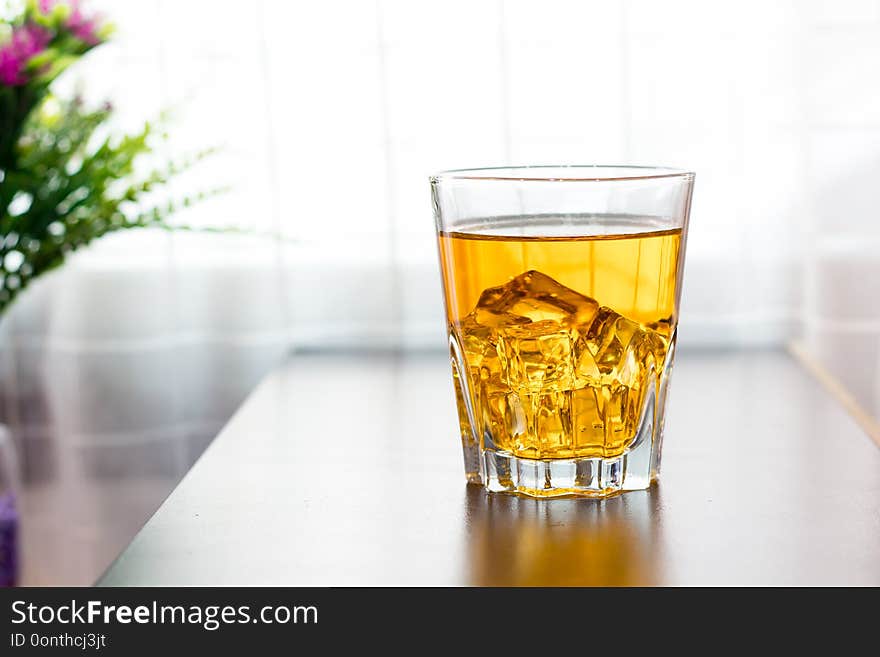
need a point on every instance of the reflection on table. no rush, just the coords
(516, 541)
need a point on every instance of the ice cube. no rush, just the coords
(588, 426)
(534, 297)
(529, 323)
(515, 415)
(642, 360)
(615, 350)
(618, 418)
(607, 338)
(477, 341)
(553, 423)
(537, 357)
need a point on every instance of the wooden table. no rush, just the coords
(346, 470)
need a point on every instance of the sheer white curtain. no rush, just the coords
(125, 363)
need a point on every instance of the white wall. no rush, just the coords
(333, 116)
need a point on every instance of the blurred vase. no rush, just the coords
(9, 519)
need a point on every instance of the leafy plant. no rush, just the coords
(65, 178)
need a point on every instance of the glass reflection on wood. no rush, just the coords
(516, 541)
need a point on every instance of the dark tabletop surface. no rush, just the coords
(346, 470)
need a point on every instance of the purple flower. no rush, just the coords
(85, 28)
(26, 41)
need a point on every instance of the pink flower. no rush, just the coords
(26, 41)
(83, 28)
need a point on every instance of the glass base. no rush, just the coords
(588, 477)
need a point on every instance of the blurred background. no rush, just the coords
(118, 370)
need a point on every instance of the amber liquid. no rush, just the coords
(562, 337)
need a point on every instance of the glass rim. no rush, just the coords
(531, 173)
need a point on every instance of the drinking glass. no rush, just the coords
(562, 287)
